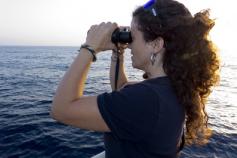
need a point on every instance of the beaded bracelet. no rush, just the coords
(90, 49)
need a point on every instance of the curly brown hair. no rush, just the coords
(190, 60)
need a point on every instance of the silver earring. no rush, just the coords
(153, 58)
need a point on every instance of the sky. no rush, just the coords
(65, 22)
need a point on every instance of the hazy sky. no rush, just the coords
(65, 22)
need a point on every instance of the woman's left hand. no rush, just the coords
(99, 36)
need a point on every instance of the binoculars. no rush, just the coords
(121, 36)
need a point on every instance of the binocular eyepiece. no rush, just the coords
(121, 36)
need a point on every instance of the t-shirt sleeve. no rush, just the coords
(129, 113)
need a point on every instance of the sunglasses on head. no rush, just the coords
(150, 6)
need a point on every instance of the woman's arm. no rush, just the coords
(69, 104)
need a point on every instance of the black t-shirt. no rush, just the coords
(145, 120)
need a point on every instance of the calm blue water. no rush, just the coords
(29, 77)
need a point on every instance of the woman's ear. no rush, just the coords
(158, 44)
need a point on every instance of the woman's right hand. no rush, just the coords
(99, 36)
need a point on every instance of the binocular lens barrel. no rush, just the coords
(121, 36)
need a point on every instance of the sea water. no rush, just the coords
(29, 77)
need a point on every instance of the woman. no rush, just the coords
(146, 119)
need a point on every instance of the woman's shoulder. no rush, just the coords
(130, 83)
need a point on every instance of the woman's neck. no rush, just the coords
(155, 74)
(156, 69)
(153, 71)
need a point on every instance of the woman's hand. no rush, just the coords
(99, 36)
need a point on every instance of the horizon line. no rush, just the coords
(15, 45)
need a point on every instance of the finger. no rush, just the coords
(92, 28)
(103, 23)
(111, 26)
(115, 25)
(123, 46)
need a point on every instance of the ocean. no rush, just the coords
(29, 76)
